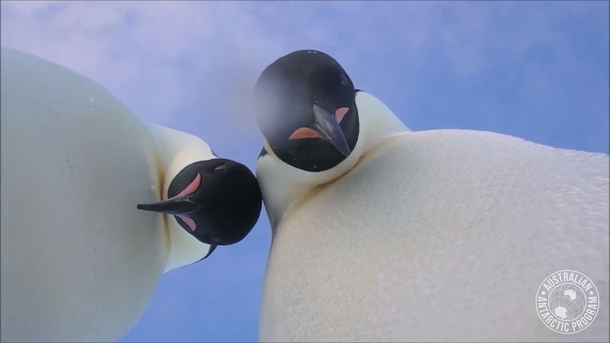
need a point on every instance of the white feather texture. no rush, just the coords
(79, 261)
(440, 235)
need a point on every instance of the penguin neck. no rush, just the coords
(176, 150)
(284, 186)
(377, 121)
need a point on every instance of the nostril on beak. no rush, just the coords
(221, 167)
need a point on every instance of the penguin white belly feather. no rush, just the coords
(381, 234)
(79, 261)
(439, 236)
(73, 161)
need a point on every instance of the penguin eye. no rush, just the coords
(221, 167)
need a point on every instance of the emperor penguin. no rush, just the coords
(380, 233)
(82, 253)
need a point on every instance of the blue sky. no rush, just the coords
(536, 70)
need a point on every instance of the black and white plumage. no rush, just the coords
(441, 235)
(80, 262)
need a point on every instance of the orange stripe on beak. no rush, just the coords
(304, 132)
(190, 189)
(189, 222)
(340, 113)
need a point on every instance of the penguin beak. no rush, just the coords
(328, 128)
(174, 206)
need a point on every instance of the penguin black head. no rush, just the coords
(305, 105)
(218, 201)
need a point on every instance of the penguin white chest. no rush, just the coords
(80, 256)
(430, 236)
(79, 262)
(429, 239)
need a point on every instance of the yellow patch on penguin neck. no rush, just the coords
(175, 151)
